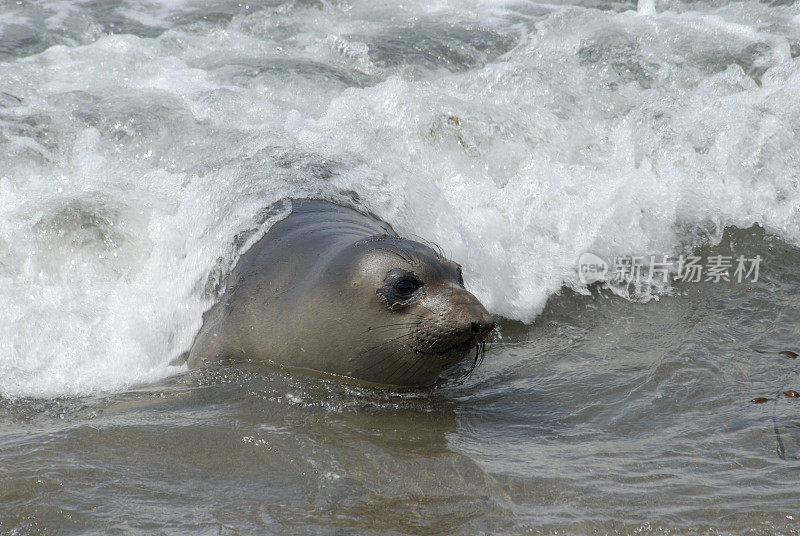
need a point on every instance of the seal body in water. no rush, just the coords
(332, 289)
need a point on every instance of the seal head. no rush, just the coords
(331, 289)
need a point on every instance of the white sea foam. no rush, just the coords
(517, 136)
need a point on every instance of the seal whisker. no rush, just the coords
(431, 244)
(397, 253)
(413, 366)
(420, 361)
(399, 324)
(393, 339)
(382, 360)
(387, 330)
(480, 350)
(428, 346)
(403, 366)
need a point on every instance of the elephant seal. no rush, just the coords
(335, 290)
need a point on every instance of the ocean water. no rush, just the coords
(142, 144)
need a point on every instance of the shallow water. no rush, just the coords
(603, 416)
(142, 143)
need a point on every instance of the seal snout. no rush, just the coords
(482, 324)
(482, 328)
(457, 329)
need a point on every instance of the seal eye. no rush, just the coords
(406, 287)
(401, 286)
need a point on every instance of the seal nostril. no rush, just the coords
(476, 327)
